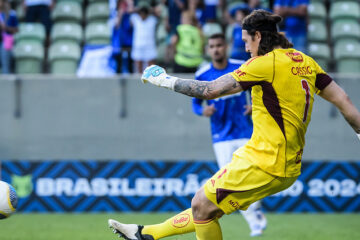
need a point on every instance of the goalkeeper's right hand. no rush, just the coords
(157, 75)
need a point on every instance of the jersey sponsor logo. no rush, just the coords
(296, 57)
(301, 71)
(234, 204)
(240, 73)
(181, 220)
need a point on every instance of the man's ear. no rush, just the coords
(257, 35)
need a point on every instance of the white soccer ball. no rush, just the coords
(8, 200)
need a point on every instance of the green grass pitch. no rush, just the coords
(94, 226)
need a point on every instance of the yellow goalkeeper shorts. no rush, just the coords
(241, 183)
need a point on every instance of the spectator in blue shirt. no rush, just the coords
(295, 14)
(238, 46)
(175, 7)
(205, 10)
(122, 36)
(8, 27)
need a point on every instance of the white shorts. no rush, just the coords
(224, 150)
(143, 53)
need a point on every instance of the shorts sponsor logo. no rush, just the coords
(181, 220)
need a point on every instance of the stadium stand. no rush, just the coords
(30, 32)
(161, 37)
(333, 25)
(79, 1)
(69, 11)
(97, 33)
(317, 31)
(29, 56)
(97, 12)
(317, 10)
(345, 9)
(345, 29)
(20, 13)
(64, 57)
(347, 56)
(211, 28)
(321, 53)
(67, 32)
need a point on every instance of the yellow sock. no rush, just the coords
(178, 224)
(208, 229)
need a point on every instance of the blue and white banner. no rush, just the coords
(146, 186)
(96, 61)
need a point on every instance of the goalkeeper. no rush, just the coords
(283, 82)
(231, 125)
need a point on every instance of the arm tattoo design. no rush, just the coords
(224, 85)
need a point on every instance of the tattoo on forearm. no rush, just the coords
(208, 90)
(193, 88)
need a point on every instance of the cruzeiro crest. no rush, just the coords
(22, 184)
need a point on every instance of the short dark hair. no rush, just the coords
(266, 23)
(144, 10)
(217, 35)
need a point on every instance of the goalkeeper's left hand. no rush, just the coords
(157, 75)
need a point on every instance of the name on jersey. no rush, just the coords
(301, 71)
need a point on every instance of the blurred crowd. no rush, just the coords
(168, 32)
(174, 32)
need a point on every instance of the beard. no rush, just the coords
(219, 59)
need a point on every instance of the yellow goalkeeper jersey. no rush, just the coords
(283, 84)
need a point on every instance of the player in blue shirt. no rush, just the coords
(231, 125)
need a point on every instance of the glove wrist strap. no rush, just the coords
(169, 82)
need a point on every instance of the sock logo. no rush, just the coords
(181, 220)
